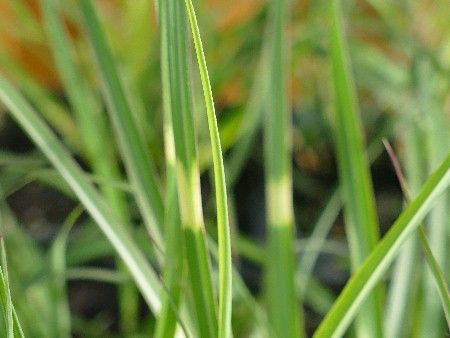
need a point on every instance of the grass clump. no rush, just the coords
(197, 171)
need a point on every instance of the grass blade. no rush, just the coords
(371, 271)
(165, 326)
(58, 117)
(13, 327)
(5, 293)
(282, 298)
(317, 239)
(140, 171)
(359, 205)
(225, 266)
(59, 290)
(143, 274)
(252, 119)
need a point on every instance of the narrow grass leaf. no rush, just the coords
(5, 293)
(59, 290)
(359, 205)
(285, 314)
(96, 274)
(225, 265)
(13, 327)
(317, 239)
(252, 119)
(173, 234)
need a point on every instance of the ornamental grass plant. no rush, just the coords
(223, 168)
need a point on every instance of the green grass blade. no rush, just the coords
(224, 239)
(317, 239)
(5, 293)
(251, 121)
(18, 332)
(173, 270)
(178, 102)
(38, 131)
(61, 314)
(13, 327)
(372, 270)
(225, 266)
(282, 299)
(25, 265)
(437, 273)
(359, 205)
(140, 171)
(96, 274)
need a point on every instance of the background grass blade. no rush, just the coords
(173, 233)
(251, 123)
(438, 274)
(223, 228)
(371, 271)
(61, 314)
(13, 328)
(404, 282)
(136, 160)
(317, 239)
(359, 205)
(430, 100)
(5, 293)
(141, 271)
(282, 299)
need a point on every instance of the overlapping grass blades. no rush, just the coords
(435, 269)
(359, 205)
(143, 274)
(373, 268)
(13, 328)
(140, 171)
(399, 303)
(170, 201)
(173, 231)
(225, 265)
(282, 299)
